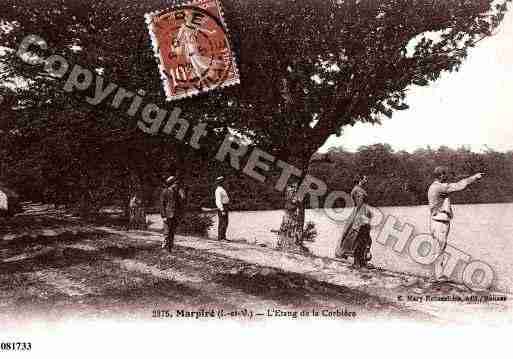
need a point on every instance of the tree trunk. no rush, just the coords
(290, 234)
(136, 210)
(291, 230)
(85, 201)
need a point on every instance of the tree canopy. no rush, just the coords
(308, 68)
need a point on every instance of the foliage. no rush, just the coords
(335, 62)
(396, 178)
(195, 224)
(309, 232)
(401, 178)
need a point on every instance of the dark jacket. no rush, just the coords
(172, 201)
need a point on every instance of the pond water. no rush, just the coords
(484, 231)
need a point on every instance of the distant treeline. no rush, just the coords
(396, 178)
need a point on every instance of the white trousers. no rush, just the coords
(440, 231)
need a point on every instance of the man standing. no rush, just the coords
(4, 203)
(441, 212)
(222, 204)
(172, 202)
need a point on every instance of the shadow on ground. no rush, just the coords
(234, 280)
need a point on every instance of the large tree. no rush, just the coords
(308, 68)
(323, 65)
(92, 154)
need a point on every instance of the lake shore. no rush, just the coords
(100, 271)
(481, 231)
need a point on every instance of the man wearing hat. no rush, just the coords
(222, 204)
(441, 212)
(172, 203)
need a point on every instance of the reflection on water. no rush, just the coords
(483, 231)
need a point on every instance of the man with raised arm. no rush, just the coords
(441, 212)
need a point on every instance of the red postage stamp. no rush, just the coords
(192, 48)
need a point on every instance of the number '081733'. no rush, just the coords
(15, 346)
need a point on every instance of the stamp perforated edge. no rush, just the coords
(164, 78)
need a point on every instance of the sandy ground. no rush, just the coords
(54, 267)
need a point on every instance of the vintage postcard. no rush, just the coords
(289, 178)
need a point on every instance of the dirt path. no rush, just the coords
(77, 271)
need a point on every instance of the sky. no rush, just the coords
(472, 107)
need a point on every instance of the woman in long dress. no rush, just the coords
(356, 240)
(187, 38)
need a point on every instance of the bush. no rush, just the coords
(195, 223)
(309, 233)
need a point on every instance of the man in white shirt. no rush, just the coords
(441, 212)
(222, 204)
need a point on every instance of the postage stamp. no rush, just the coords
(192, 48)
